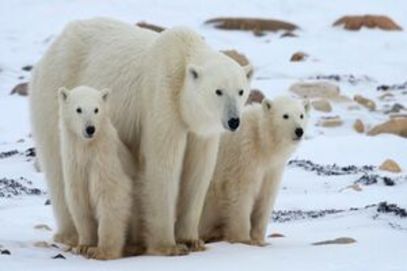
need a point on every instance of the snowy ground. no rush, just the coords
(28, 27)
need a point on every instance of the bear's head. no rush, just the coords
(83, 110)
(214, 93)
(286, 119)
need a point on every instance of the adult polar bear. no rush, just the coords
(172, 96)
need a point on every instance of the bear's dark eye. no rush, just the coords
(78, 110)
(219, 92)
(96, 110)
(286, 116)
(302, 116)
(241, 92)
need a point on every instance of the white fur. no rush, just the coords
(97, 172)
(164, 107)
(249, 169)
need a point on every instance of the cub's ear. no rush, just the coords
(266, 104)
(194, 71)
(248, 70)
(307, 105)
(63, 93)
(105, 93)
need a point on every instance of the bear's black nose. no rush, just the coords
(233, 123)
(299, 132)
(90, 130)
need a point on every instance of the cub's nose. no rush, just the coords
(299, 132)
(90, 130)
(233, 123)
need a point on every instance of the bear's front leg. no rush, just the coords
(237, 225)
(263, 206)
(199, 164)
(79, 206)
(113, 207)
(163, 153)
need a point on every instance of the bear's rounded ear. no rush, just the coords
(105, 93)
(307, 105)
(63, 93)
(194, 71)
(266, 104)
(248, 70)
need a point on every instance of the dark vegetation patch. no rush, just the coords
(58, 256)
(349, 78)
(27, 68)
(5, 252)
(369, 179)
(402, 86)
(7, 154)
(330, 169)
(391, 208)
(30, 153)
(16, 187)
(282, 216)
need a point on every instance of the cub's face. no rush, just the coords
(213, 96)
(288, 118)
(83, 109)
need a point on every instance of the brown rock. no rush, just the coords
(42, 244)
(250, 24)
(341, 99)
(390, 165)
(299, 56)
(355, 187)
(152, 27)
(370, 21)
(369, 104)
(288, 34)
(276, 235)
(20, 89)
(359, 126)
(322, 105)
(397, 116)
(43, 227)
(394, 108)
(396, 126)
(353, 107)
(259, 33)
(337, 241)
(238, 57)
(315, 90)
(255, 96)
(386, 96)
(330, 122)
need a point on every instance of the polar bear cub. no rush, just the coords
(97, 171)
(249, 168)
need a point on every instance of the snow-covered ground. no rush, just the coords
(26, 29)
